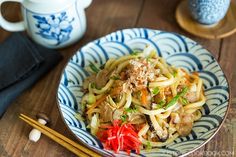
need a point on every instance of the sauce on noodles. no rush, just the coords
(161, 102)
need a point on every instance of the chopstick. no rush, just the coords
(59, 138)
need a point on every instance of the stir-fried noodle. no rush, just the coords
(160, 101)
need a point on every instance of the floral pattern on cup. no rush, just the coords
(54, 27)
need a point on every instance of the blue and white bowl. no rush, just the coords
(208, 12)
(179, 51)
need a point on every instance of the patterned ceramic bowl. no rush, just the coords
(208, 11)
(178, 50)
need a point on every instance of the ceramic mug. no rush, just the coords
(208, 12)
(51, 23)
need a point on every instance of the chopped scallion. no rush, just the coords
(115, 77)
(131, 110)
(175, 73)
(124, 117)
(172, 101)
(135, 53)
(155, 91)
(93, 68)
(184, 101)
(161, 104)
(184, 91)
(149, 146)
(176, 98)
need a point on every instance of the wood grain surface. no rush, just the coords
(103, 17)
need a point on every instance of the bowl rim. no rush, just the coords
(132, 28)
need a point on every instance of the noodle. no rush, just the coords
(162, 83)
(143, 90)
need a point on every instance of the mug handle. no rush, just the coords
(85, 3)
(11, 26)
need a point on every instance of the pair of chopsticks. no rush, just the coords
(72, 146)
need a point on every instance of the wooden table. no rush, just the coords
(103, 17)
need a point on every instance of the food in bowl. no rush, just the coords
(138, 101)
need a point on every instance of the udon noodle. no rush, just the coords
(160, 101)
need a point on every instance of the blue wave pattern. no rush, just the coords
(179, 51)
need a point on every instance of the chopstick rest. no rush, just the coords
(35, 134)
(74, 147)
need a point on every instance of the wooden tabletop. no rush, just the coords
(103, 17)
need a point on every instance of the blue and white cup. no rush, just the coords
(51, 23)
(208, 12)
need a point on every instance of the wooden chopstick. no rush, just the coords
(62, 140)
